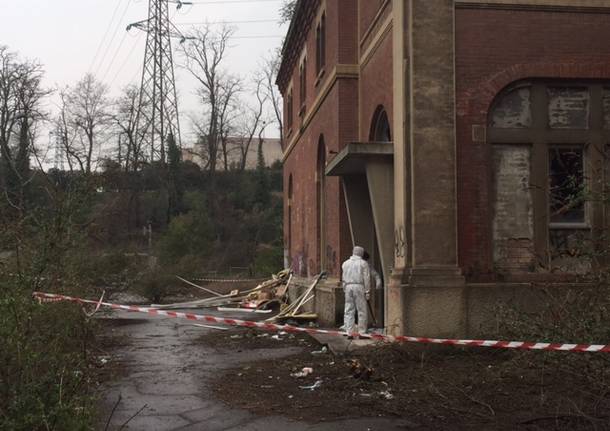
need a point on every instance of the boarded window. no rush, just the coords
(568, 107)
(552, 222)
(566, 185)
(513, 220)
(513, 110)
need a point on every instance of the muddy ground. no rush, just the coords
(160, 376)
(447, 389)
(235, 374)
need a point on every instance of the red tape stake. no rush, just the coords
(522, 345)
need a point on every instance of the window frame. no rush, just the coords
(303, 85)
(289, 110)
(320, 46)
(540, 137)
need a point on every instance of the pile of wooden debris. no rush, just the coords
(270, 295)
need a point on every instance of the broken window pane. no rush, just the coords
(606, 102)
(568, 108)
(566, 185)
(513, 110)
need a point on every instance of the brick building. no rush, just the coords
(238, 149)
(456, 140)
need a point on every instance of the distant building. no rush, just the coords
(449, 138)
(272, 153)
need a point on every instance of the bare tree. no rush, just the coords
(85, 116)
(253, 121)
(287, 10)
(204, 52)
(21, 94)
(227, 115)
(129, 139)
(270, 69)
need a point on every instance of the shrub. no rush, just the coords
(188, 234)
(44, 378)
(564, 315)
(268, 260)
(154, 285)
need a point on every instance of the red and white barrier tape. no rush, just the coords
(522, 345)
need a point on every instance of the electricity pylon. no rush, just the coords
(58, 151)
(158, 105)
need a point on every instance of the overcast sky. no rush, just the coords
(73, 37)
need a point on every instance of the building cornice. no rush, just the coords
(340, 71)
(582, 6)
(376, 39)
(373, 27)
(296, 37)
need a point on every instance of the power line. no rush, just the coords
(116, 53)
(232, 1)
(257, 36)
(113, 36)
(135, 44)
(97, 52)
(251, 21)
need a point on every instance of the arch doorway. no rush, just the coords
(367, 173)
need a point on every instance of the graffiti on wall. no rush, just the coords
(331, 259)
(400, 242)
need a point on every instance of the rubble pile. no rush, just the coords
(268, 296)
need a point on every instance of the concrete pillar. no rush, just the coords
(380, 178)
(395, 304)
(427, 284)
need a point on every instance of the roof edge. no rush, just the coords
(294, 39)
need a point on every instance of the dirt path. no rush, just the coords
(166, 386)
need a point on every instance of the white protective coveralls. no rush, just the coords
(356, 283)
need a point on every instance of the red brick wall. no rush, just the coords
(336, 125)
(346, 23)
(341, 47)
(376, 86)
(336, 121)
(494, 48)
(368, 11)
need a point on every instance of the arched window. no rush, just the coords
(380, 126)
(546, 137)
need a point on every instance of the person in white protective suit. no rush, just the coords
(356, 282)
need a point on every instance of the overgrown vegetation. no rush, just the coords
(217, 223)
(577, 314)
(46, 379)
(121, 223)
